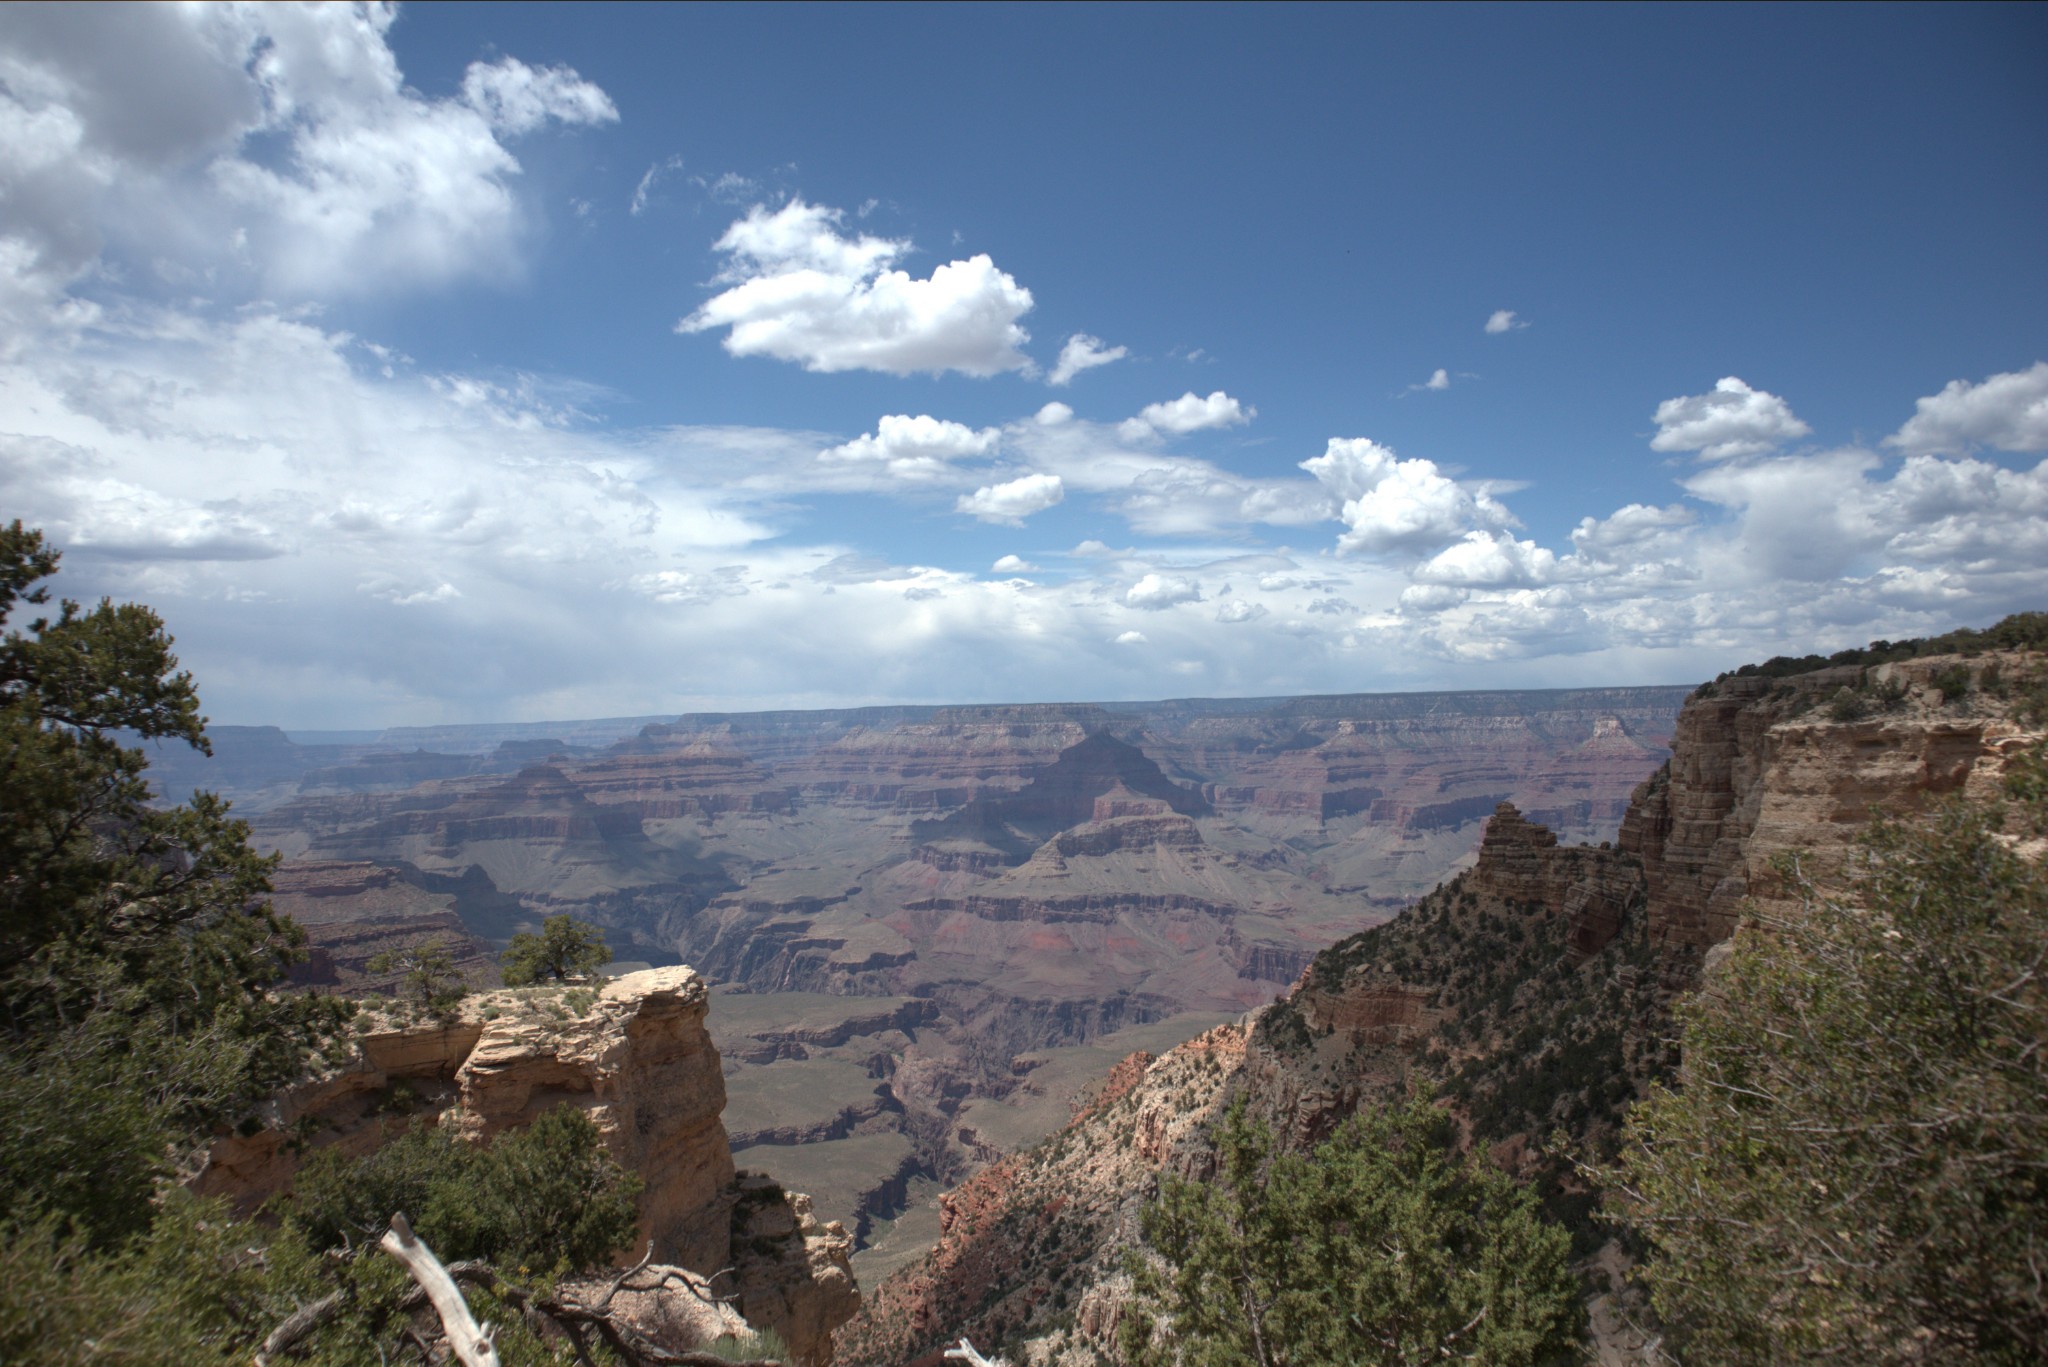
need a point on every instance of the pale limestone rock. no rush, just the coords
(640, 1063)
(635, 1056)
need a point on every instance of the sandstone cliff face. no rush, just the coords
(639, 1061)
(1533, 989)
(635, 1056)
(1763, 768)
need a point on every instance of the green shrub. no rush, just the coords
(1856, 1167)
(1382, 1247)
(1847, 705)
(1952, 682)
(547, 1198)
(564, 949)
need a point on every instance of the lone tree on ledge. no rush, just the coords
(563, 950)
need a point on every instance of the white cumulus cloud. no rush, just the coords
(1488, 560)
(1083, 352)
(1730, 420)
(1503, 320)
(279, 143)
(1390, 504)
(1156, 591)
(1188, 413)
(914, 448)
(1013, 564)
(2009, 411)
(1011, 502)
(800, 290)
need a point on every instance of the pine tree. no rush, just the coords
(1382, 1247)
(564, 949)
(136, 948)
(1854, 1166)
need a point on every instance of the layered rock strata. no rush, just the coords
(1534, 990)
(1765, 769)
(634, 1055)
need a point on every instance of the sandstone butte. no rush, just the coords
(1029, 1258)
(635, 1056)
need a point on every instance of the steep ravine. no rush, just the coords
(1533, 990)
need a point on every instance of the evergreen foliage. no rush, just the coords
(1855, 1166)
(564, 949)
(427, 976)
(547, 1198)
(135, 945)
(2020, 631)
(137, 958)
(1383, 1247)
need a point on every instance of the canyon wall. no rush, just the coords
(1766, 770)
(1532, 990)
(1037, 877)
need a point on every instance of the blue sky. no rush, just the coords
(463, 363)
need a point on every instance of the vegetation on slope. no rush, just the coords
(1854, 1166)
(1382, 1247)
(1534, 1042)
(2020, 631)
(137, 1020)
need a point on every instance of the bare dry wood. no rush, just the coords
(471, 1343)
(574, 1317)
(298, 1326)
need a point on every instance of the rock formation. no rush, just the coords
(1037, 876)
(1764, 769)
(1533, 990)
(635, 1056)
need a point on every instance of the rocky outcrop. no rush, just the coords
(1769, 768)
(639, 1061)
(1127, 826)
(396, 1074)
(634, 1055)
(793, 1272)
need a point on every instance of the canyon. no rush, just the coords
(923, 930)
(1532, 990)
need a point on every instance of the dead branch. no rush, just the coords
(573, 1316)
(299, 1325)
(472, 1344)
(965, 1352)
(604, 1302)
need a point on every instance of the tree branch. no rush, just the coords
(472, 1344)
